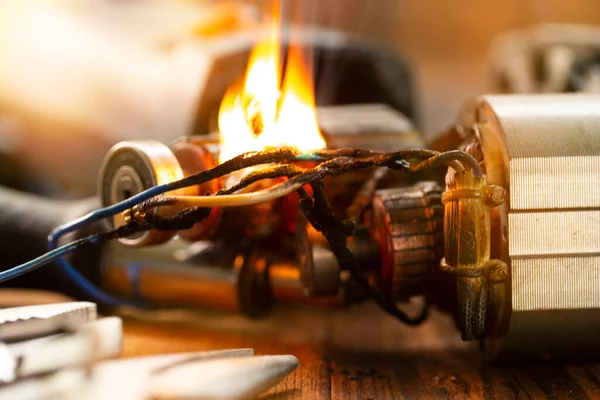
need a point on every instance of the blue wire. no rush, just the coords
(88, 287)
(106, 212)
(42, 260)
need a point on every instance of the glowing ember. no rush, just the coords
(257, 114)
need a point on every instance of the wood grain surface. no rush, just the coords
(361, 353)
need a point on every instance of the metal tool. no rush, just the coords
(41, 362)
(65, 384)
(68, 365)
(20, 323)
(93, 341)
(129, 378)
(227, 374)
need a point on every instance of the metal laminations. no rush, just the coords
(545, 150)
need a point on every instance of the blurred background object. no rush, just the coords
(448, 43)
(78, 76)
(64, 64)
(550, 58)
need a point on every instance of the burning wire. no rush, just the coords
(232, 200)
(318, 211)
(344, 162)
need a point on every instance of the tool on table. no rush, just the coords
(227, 374)
(93, 341)
(57, 351)
(20, 323)
(46, 338)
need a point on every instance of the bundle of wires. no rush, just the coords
(277, 163)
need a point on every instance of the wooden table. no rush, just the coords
(361, 353)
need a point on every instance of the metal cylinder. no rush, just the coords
(178, 274)
(207, 275)
(545, 150)
(130, 168)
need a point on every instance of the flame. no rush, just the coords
(259, 114)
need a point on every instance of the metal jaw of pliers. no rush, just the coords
(63, 351)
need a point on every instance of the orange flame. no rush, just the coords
(257, 114)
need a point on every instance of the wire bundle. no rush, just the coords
(279, 163)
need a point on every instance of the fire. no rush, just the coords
(260, 113)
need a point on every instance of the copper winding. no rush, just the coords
(467, 202)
